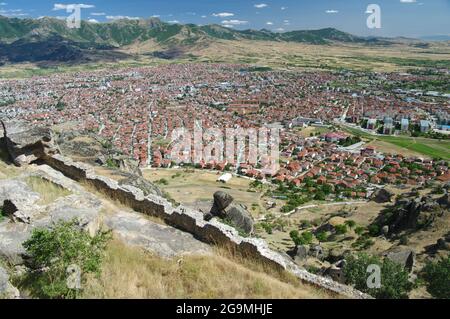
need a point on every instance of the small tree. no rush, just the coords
(350, 223)
(437, 276)
(322, 237)
(394, 278)
(340, 229)
(304, 239)
(54, 251)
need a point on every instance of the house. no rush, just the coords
(334, 137)
(225, 178)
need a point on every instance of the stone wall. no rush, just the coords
(212, 232)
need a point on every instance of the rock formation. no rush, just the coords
(27, 144)
(235, 214)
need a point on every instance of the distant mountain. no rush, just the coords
(436, 38)
(19, 38)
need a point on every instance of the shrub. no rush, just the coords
(304, 239)
(437, 276)
(374, 230)
(340, 229)
(53, 251)
(322, 237)
(394, 278)
(359, 230)
(350, 223)
(162, 181)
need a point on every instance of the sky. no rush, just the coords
(409, 18)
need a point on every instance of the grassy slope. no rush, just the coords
(133, 273)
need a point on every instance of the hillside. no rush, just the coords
(20, 39)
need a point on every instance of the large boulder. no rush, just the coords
(7, 290)
(222, 200)
(410, 213)
(382, 196)
(235, 214)
(444, 201)
(240, 218)
(26, 144)
(18, 200)
(404, 257)
(300, 253)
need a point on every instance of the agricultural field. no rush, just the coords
(427, 147)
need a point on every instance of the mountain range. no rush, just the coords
(49, 39)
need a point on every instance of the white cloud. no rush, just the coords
(59, 6)
(234, 22)
(280, 30)
(174, 21)
(408, 1)
(223, 14)
(121, 18)
(98, 14)
(261, 5)
(332, 11)
(283, 8)
(228, 26)
(3, 3)
(93, 21)
(269, 23)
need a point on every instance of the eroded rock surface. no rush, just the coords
(27, 144)
(135, 229)
(7, 290)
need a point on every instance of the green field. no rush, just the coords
(428, 147)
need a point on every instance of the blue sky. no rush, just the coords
(412, 18)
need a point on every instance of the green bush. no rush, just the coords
(437, 276)
(394, 278)
(340, 229)
(374, 230)
(350, 223)
(322, 237)
(54, 251)
(359, 230)
(162, 181)
(304, 239)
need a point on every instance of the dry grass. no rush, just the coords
(133, 273)
(49, 191)
(192, 187)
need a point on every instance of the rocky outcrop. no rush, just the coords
(18, 200)
(12, 235)
(211, 232)
(404, 257)
(135, 229)
(444, 201)
(235, 214)
(411, 213)
(382, 196)
(27, 144)
(7, 290)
